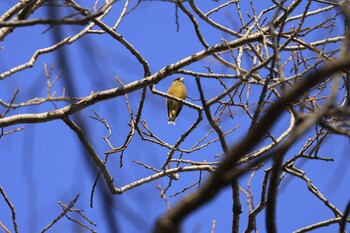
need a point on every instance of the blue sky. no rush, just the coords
(46, 163)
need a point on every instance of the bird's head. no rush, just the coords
(181, 79)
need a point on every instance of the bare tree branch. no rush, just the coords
(12, 208)
(223, 173)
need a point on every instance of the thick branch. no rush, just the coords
(221, 176)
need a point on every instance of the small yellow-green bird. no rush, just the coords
(178, 90)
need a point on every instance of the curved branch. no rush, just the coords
(136, 85)
(222, 175)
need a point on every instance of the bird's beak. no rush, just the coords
(181, 79)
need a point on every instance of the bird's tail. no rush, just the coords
(171, 122)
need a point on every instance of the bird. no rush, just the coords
(177, 89)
